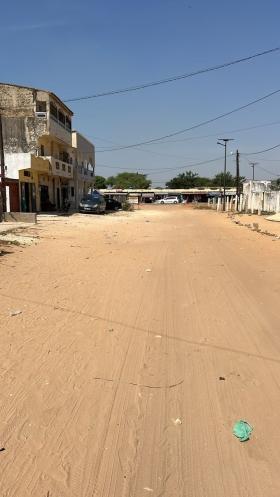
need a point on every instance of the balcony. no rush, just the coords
(60, 168)
(60, 131)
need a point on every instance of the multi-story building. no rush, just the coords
(39, 157)
(84, 168)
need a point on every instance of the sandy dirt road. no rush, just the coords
(110, 375)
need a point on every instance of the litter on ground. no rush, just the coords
(15, 312)
(177, 421)
(242, 430)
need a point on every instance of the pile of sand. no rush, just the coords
(275, 217)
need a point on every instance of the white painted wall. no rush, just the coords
(8, 205)
(14, 162)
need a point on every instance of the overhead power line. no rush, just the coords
(263, 151)
(153, 152)
(172, 78)
(199, 125)
(260, 167)
(163, 169)
(238, 130)
(269, 172)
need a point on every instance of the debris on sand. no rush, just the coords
(177, 421)
(15, 312)
(242, 430)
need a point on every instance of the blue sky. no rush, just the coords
(83, 48)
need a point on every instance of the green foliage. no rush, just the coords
(126, 206)
(275, 184)
(218, 180)
(100, 182)
(190, 179)
(110, 181)
(187, 180)
(129, 180)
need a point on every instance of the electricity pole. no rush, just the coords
(253, 164)
(237, 174)
(2, 169)
(225, 140)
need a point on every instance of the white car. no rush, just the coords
(168, 200)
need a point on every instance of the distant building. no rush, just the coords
(84, 168)
(41, 152)
(256, 186)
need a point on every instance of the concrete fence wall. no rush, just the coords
(253, 202)
(257, 197)
(258, 202)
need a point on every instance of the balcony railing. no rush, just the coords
(60, 157)
(60, 168)
(65, 125)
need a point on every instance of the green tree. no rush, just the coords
(218, 180)
(129, 180)
(110, 181)
(275, 184)
(100, 182)
(189, 179)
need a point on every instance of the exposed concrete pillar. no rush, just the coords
(227, 204)
(241, 200)
(277, 201)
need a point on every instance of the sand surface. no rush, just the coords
(110, 369)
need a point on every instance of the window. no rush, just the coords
(53, 110)
(63, 167)
(68, 123)
(42, 150)
(72, 191)
(65, 157)
(57, 165)
(41, 106)
(26, 173)
(69, 169)
(61, 117)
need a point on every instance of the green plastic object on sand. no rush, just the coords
(242, 430)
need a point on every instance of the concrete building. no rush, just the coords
(39, 157)
(256, 186)
(83, 180)
(189, 195)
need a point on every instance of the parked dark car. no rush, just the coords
(112, 204)
(93, 203)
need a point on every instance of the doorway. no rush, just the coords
(28, 197)
(58, 198)
(44, 197)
